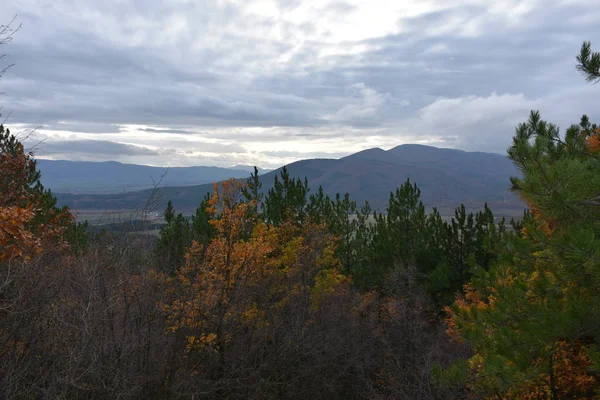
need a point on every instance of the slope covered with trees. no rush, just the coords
(284, 292)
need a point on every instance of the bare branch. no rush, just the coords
(7, 33)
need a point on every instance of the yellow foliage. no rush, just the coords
(204, 340)
(327, 283)
(249, 273)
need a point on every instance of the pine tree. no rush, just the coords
(202, 230)
(174, 239)
(588, 62)
(252, 191)
(434, 265)
(286, 200)
(396, 238)
(341, 222)
(319, 207)
(406, 223)
(457, 249)
(169, 212)
(533, 319)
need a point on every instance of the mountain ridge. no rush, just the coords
(446, 177)
(106, 177)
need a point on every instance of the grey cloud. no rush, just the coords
(364, 108)
(153, 130)
(432, 81)
(92, 147)
(339, 7)
(83, 127)
(503, 58)
(303, 155)
(217, 148)
(487, 123)
(307, 135)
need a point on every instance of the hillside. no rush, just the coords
(113, 177)
(447, 177)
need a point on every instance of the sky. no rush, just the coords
(263, 82)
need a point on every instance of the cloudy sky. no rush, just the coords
(224, 82)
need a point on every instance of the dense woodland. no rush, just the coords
(293, 294)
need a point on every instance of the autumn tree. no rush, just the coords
(214, 278)
(32, 221)
(239, 286)
(36, 237)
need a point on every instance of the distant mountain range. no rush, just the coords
(446, 177)
(113, 177)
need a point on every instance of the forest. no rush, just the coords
(293, 294)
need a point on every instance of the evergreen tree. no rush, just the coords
(319, 207)
(252, 191)
(174, 239)
(361, 268)
(488, 236)
(286, 200)
(202, 230)
(169, 212)
(533, 319)
(434, 265)
(406, 223)
(396, 238)
(341, 222)
(588, 62)
(462, 246)
(459, 250)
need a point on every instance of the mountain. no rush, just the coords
(446, 177)
(113, 177)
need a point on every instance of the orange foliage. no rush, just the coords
(592, 141)
(249, 272)
(570, 376)
(15, 239)
(546, 225)
(15, 168)
(217, 274)
(469, 299)
(20, 205)
(567, 372)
